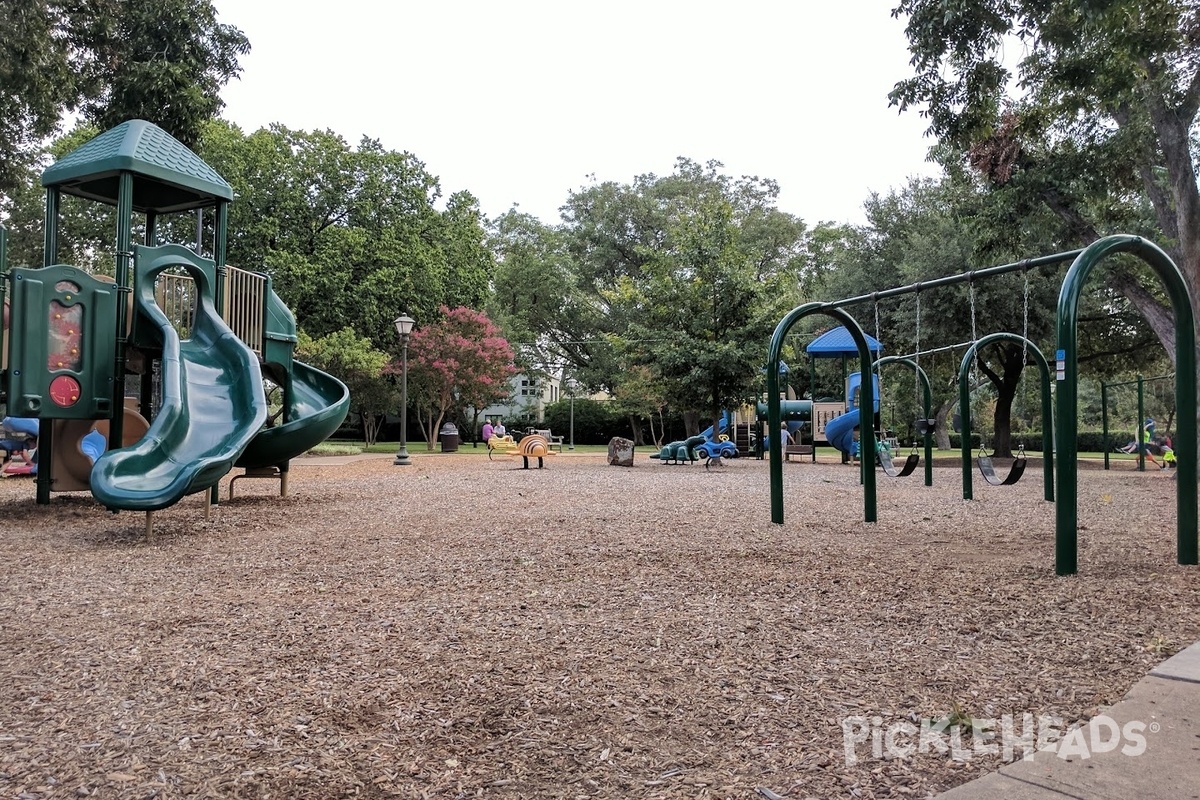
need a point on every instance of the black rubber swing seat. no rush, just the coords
(889, 469)
(988, 470)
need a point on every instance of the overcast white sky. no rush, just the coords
(521, 102)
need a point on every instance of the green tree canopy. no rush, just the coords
(351, 235)
(1096, 122)
(362, 367)
(160, 60)
(630, 262)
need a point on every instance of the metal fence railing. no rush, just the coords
(176, 297)
(243, 307)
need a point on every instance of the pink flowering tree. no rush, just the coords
(461, 361)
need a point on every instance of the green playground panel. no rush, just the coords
(62, 365)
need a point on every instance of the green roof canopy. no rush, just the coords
(167, 176)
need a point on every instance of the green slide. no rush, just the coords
(317, 403)
(213, 404)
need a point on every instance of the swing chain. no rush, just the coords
(917, 356)
(974, 335)
(1024, 353)
(1025, 321)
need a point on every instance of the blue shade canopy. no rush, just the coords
(838, 342)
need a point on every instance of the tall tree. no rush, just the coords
(109, 60)
(707, 312)
(37, 82)
(458, 361)
(165, 61)
(579, 289)
(1109, 93)
(350, 234)
(362, 367)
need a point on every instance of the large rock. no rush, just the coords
(620, 452)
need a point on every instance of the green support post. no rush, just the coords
(1067, 356)
(124, 256)
(46, 436)
(774, 415)
(1139, 431)
(1104, 421)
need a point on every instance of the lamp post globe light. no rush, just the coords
(404, 325)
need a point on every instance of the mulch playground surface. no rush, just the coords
(467, 628)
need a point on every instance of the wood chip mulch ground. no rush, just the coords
(466, 628)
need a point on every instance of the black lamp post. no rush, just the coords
(404, 325)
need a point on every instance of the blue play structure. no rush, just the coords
(839, 431)
(702, 447)
(838, 343)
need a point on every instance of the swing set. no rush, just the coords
(1061, 484)
(882, 453)
(970, 361)
(1105, 390)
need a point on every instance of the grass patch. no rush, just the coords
(329, 448)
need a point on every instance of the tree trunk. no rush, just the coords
(1179, 213)
(430, 424)
(371, 423)
(636, 427)
(941, 433)
(691, 423)
(474, 427)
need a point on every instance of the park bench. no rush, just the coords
(555, 442)
(790, 450)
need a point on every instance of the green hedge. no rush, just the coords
(1088, 441)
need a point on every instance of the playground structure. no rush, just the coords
(708, 446)
(836, 423)
(1065, 420)
(200, 335)
(1141, 413)
(532, 445)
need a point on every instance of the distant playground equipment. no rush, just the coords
(680, 452)
(1144, 445)
(1066, 373)
(716, 444)
(708, 446)
(531, 445)
(199, 334)
(837, 343)
(19, 441)
(836, 423)
(797, 415)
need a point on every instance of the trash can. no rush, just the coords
(449, 436)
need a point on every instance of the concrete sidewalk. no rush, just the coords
(1162, 710)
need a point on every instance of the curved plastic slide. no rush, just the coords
(317, 407)
(212, 406)
(839, 431)
(707, 433)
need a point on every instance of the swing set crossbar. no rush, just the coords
(934, 350)
(962, 277)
